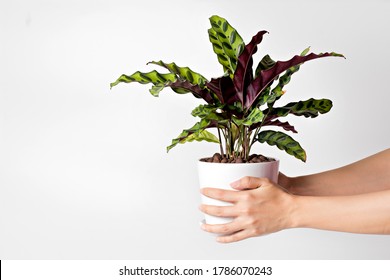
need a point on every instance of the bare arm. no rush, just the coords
(363, 213)
(367, 175)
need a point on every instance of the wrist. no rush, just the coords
(297, 217)
(297, 186)
(285, 182)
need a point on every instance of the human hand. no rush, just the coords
(259, 207)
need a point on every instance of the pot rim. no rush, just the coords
(243, 163)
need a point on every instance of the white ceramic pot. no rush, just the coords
(220, 175)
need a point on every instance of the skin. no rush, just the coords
(354, 198)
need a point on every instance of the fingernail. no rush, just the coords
(235, 184)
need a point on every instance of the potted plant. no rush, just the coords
(238, 106)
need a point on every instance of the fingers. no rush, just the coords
(246, 209)
(238, 236)
(218, 211)
(228, 228)
(247, 183)
(220, 194)
(231, 232)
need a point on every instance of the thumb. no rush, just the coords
(246, 183)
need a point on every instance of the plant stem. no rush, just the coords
(231, 140)
(226, 135)
(246, 142)
(258, 129)
(220, 142)
(238, 143)
(242, 144)
(254, 137)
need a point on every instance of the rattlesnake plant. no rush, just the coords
(240, 103)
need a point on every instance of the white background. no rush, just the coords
(83, 170)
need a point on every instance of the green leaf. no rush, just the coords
(218, 49)
(255, 116)
(227, 43)
(153, 77)
(203, 135)
(263, 98)
(283, 142)
(208, 112)
(197, 132)
(305, 51)
(155, 90)
(183, 73)
(265, 63)
(309, 108)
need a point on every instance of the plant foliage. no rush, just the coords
(241, 101)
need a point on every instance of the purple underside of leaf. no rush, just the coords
(269, 121)
(214, 85)
(243, 75)
(195, 89)
(224, 88)
(267, 76)
(285, 125)
(228, 91)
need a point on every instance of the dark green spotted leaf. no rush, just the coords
(208, 112)
(153, 77)
(198, 133)
(255, 116)
(309, 108)
(283, 142)
(183, 73)
(265, 63)
(203, 135)
(227, 43)
(223, 59)
(263, 98)
(155, 90)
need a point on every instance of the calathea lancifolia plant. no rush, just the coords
(240, 103)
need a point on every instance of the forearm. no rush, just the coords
(368, 175)
(364, 213)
